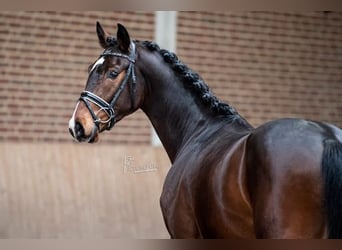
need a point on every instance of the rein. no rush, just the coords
(88, 97)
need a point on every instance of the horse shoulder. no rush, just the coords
(206, 183)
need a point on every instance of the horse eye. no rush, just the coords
(113, 74)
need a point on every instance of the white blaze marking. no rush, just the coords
(99, 61)
(72, 120)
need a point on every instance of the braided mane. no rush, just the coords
(191, 81)
(194, 82)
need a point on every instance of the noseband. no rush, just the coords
(108, 108)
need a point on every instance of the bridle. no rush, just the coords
(88, 97)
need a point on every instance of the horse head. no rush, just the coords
(114, 88)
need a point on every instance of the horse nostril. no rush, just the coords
(79, 130)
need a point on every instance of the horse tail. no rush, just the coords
(332, 175)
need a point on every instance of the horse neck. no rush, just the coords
(171, 108)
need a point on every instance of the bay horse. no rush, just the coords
(227, 180)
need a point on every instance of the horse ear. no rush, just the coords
(123, 38)
(102, 35)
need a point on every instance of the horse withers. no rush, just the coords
(228, 179)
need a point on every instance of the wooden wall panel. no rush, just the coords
(81, 191)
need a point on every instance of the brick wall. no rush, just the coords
(44, 59)
(267, 65)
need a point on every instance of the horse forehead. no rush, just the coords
(99, 61)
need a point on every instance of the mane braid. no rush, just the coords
(194, 83)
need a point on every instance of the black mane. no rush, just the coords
(194, 83)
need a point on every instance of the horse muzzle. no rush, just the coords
(82, 128)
